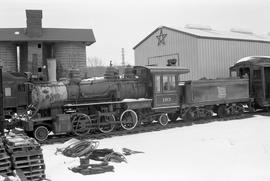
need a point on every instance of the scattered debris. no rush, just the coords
(99, 154)
(80, 148)
(91, 170)
(87, 150)
(115, 157)
(127, 151)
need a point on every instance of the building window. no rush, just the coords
(157, 83)
(39, 45)
(7, 91)
(168, 82)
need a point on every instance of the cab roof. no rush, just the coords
(263, 61)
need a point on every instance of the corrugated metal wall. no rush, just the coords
(176, 44)
(210, 58)
(216, 56)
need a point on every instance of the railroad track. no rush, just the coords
(142, 129)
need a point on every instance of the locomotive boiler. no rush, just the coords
(108, 88)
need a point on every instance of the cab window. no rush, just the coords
(168, 82)
(7, 91)
(157, 83)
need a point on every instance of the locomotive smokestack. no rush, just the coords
(51, 69)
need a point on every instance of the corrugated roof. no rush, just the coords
(213, 34)
(49, 34)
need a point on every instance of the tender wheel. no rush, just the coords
(129, 119)
(173, 116)
(222, 112)
(163, 119)
(187, 117)
(41, 133)
(81, 124)
(106, 124)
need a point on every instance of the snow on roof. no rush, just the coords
(49, 34)
(245, 59)
(92, 79)
(207, 32)
(236, 34)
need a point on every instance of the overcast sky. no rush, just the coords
(124, 23)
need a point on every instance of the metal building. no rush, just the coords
(206, 52)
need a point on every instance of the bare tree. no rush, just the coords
(94, 62)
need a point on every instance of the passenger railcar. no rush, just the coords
(257, 70)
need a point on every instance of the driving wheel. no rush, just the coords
(129, 119)
(81, 124)
(106, 123)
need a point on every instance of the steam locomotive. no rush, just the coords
(143, 95)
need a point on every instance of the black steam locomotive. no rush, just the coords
(144, 94)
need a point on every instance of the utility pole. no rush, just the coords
(2, 125)
(123, 57)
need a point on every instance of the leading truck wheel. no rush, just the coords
(163, 119)
(129, 119)
(41, 133)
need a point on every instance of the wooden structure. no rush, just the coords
(26, 156)
(27, 49)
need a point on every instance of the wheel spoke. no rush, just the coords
(163, 119)
(106, 124)
(81, 124)
(41, 133)
(129, 119)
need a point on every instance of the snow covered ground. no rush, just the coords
(237, 150)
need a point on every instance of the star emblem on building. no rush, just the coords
(161, 38)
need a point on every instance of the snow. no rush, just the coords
(237, 150)
(245, 59)
(212, 33)
(92, 79)
(133, 100)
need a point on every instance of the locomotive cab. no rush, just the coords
(257, 69)
(164, 86)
